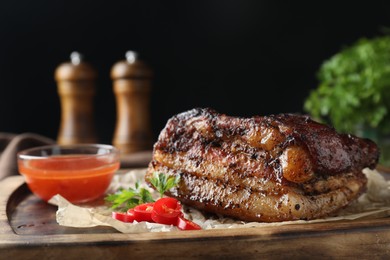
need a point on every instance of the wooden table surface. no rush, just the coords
(28, 230)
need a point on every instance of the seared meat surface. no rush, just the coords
(273, 168)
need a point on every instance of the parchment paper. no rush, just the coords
(375, 203)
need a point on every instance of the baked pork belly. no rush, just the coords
(271, 168)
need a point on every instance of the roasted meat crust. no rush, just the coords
(274, 168)
(262, 200)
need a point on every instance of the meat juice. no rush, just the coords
(78, 178)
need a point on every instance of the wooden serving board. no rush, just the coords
(28, 229)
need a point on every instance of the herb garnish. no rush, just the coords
(125, 199)
(163, 182)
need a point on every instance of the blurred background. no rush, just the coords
(241, 58)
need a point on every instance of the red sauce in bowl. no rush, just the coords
(78, 178)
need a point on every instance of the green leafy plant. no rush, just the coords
(163, 182)
(354, 88)
(125, 199)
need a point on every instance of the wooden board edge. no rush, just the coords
(9, 187)
(241, 245)
(13, 190)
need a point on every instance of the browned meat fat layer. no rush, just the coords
(293, 164)
(328, 151)
(214, 159)
(267, 205)
(217, 173)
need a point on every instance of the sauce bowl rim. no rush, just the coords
(24, 154)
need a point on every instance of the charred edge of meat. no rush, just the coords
(329, 152)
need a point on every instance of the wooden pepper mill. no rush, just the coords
(132, 86)
(76, 88)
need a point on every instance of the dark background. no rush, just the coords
(239, 57)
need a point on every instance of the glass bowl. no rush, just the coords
(79, 173)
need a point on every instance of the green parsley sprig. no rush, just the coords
(163, 182)
(354, 88)
(125, 199)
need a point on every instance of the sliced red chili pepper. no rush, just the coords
(143, 212)
(166, 211)
(185, 224)
(130, 213)
(127, 217)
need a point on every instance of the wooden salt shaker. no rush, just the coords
(76, 88)
(132, 86)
